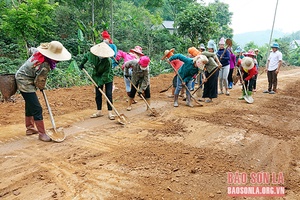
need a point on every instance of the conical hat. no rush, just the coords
(103, 50)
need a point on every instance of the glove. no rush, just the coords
(81, 67)
(127, 76)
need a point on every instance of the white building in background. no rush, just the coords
(169, 25)
(294, 43)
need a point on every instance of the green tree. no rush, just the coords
(28, 21)
(196, 24)
(222, 16)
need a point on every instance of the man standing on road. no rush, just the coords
(273, 67)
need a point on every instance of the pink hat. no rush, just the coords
(144, 62)
(137, 50)
(250, 53)
(222, 41)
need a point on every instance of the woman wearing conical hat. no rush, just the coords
(99, 56)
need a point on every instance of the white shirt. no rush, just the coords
(274, 59)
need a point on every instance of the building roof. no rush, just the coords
(168, 24)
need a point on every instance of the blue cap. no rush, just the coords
(275, 45)
(238, 49)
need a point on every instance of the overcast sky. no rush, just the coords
(258, 15)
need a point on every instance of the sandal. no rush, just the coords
(111, 117)
(134, 101)
(95, 115)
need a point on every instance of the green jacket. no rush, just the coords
(102, 71)
(211, 64)
(188, 69)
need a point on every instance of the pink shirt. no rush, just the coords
(126, 56)
(176, 64)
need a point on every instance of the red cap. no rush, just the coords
(105, 35)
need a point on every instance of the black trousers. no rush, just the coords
(108, 93)
(133, 91)
(32, 106)
(249, 84)
(211, 85)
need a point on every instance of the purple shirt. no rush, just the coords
(232, 60)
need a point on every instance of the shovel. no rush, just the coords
(166, 89)
(247, 98)
(121, 118)
(56, 135)
(153, 111)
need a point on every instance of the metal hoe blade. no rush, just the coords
(56, 135)
(249, 99)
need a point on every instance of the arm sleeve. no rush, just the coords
(84, 60)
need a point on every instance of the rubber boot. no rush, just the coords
(42, 132)
(29, 123)
(243, 94)
(129, 104)
(149, 102)
(176, 100)
(188, 100)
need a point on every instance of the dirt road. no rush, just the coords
(186, 153)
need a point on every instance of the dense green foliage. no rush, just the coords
(78, 25)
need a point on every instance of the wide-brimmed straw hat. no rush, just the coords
(247, 63)
(103, 50)
(55, 51)
(250, 53)
(168, 54)
(137, 50)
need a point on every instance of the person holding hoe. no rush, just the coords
(32, 75)
(211, 72)
(248, 73)
(99, 56)
(135, 53)
(176, 64)
(140, 78)
(190, 67)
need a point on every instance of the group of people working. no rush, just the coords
(209, 67)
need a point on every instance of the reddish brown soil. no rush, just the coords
(185, 153)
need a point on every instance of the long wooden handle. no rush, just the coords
(184, 85)
(107, 99)
(49, 110)
(141, 95)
